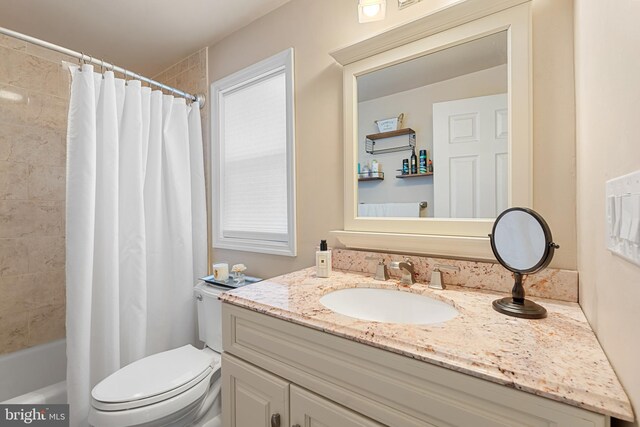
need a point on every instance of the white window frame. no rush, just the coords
(247, 241)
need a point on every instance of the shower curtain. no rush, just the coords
(136, 227)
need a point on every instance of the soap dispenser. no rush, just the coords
(323, 260)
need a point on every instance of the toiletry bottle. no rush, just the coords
(423, 161)
(430, 166)
(414, 161)
(405, 166)
(323, 260)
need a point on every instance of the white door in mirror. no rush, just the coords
(623, 216)
(470, 157)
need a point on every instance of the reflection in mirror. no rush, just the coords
(520, 240)
(432, 134)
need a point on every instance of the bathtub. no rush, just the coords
(35, 375)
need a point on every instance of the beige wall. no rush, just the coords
(34, 94)
(314, 28)
(608, 103)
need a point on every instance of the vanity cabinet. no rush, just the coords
(273, 366)
(255, 398)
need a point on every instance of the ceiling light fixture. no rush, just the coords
(406, 3)
(371, 10)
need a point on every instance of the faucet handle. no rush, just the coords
(382, 273)
(436, 276)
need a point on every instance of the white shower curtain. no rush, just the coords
(136, 227)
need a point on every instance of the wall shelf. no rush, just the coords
(414, 175)
(377, 176)
(370, 141)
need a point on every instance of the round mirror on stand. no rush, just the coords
(521, 241)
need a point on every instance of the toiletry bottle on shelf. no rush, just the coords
(414, 161)
(423, 161)
(405, 166)
(430, 166)
(323, 260)
(374, 167)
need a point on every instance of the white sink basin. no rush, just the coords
(387, 305)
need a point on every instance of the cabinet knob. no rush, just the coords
(275, 420)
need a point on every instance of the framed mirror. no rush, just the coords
(438, 137)
(445, 154)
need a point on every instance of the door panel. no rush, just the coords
(251, 396)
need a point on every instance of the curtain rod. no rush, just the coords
(89, 59)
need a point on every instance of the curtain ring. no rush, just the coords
(102, 66)
(81, 59)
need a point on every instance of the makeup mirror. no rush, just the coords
(521, 241)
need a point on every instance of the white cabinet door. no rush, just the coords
(252, 397)
(470, 157)
(310, 410)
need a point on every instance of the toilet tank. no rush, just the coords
(209, 315)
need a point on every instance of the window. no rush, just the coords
(253, 159)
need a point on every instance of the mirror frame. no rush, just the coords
(442, 236)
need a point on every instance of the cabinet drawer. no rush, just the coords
(387, 387)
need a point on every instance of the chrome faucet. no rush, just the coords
(408, 271)
(381, 270)
(436, 276)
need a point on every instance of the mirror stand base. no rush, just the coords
(526, 309)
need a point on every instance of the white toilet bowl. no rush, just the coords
(177, 388)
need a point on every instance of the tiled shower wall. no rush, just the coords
(34, 97)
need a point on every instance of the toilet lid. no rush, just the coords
(154, 375)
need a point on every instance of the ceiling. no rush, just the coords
(480, 54)
(144, 36)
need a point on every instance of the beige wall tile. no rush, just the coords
(13, 180)
(46, 324)
(24, 292)
(46, 182)
(12, 43)
(194, 60)
(57, 280)
(13, 103)
(13, 257)
(30, 72)
(21, 218)
(45, 253)
(33, 145)
(14, 331)
(47, 111)
(34, 94)
(49, 54)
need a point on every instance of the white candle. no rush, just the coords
(221, 271)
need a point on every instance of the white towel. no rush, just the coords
(395, 210)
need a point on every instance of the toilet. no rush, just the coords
(179, 387)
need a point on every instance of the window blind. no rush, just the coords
(254, 160)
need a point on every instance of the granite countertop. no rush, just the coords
(558, 357)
